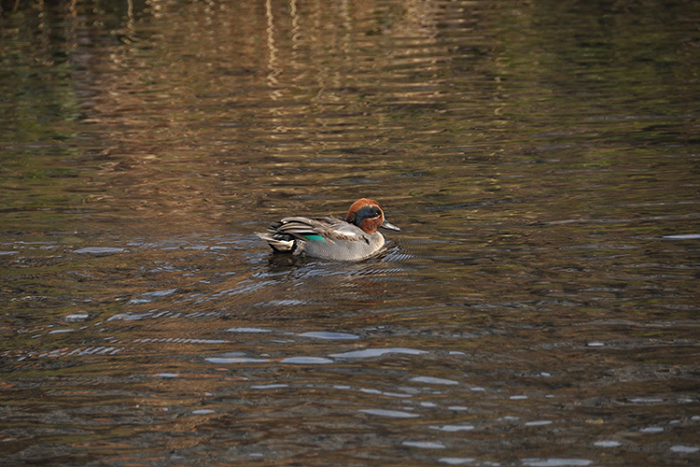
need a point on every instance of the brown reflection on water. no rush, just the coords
(279, 101)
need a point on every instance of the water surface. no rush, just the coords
(538, 308)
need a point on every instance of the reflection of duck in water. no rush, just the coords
(352, 239)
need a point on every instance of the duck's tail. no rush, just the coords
(277, 244)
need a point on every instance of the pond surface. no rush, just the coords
(540, 306)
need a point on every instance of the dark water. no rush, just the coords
(539, 308)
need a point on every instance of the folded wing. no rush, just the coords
(316, 229)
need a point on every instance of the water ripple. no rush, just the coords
(389, 413)
(370, 353)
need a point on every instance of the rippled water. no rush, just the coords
(538, 308)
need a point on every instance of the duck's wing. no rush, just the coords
(318, 228)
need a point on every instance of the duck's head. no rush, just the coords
(367, 214)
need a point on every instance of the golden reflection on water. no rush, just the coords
(319, 114)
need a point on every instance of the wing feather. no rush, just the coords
(329, 228)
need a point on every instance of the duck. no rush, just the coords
(353, 239)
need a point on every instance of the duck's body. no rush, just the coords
(352, 239)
